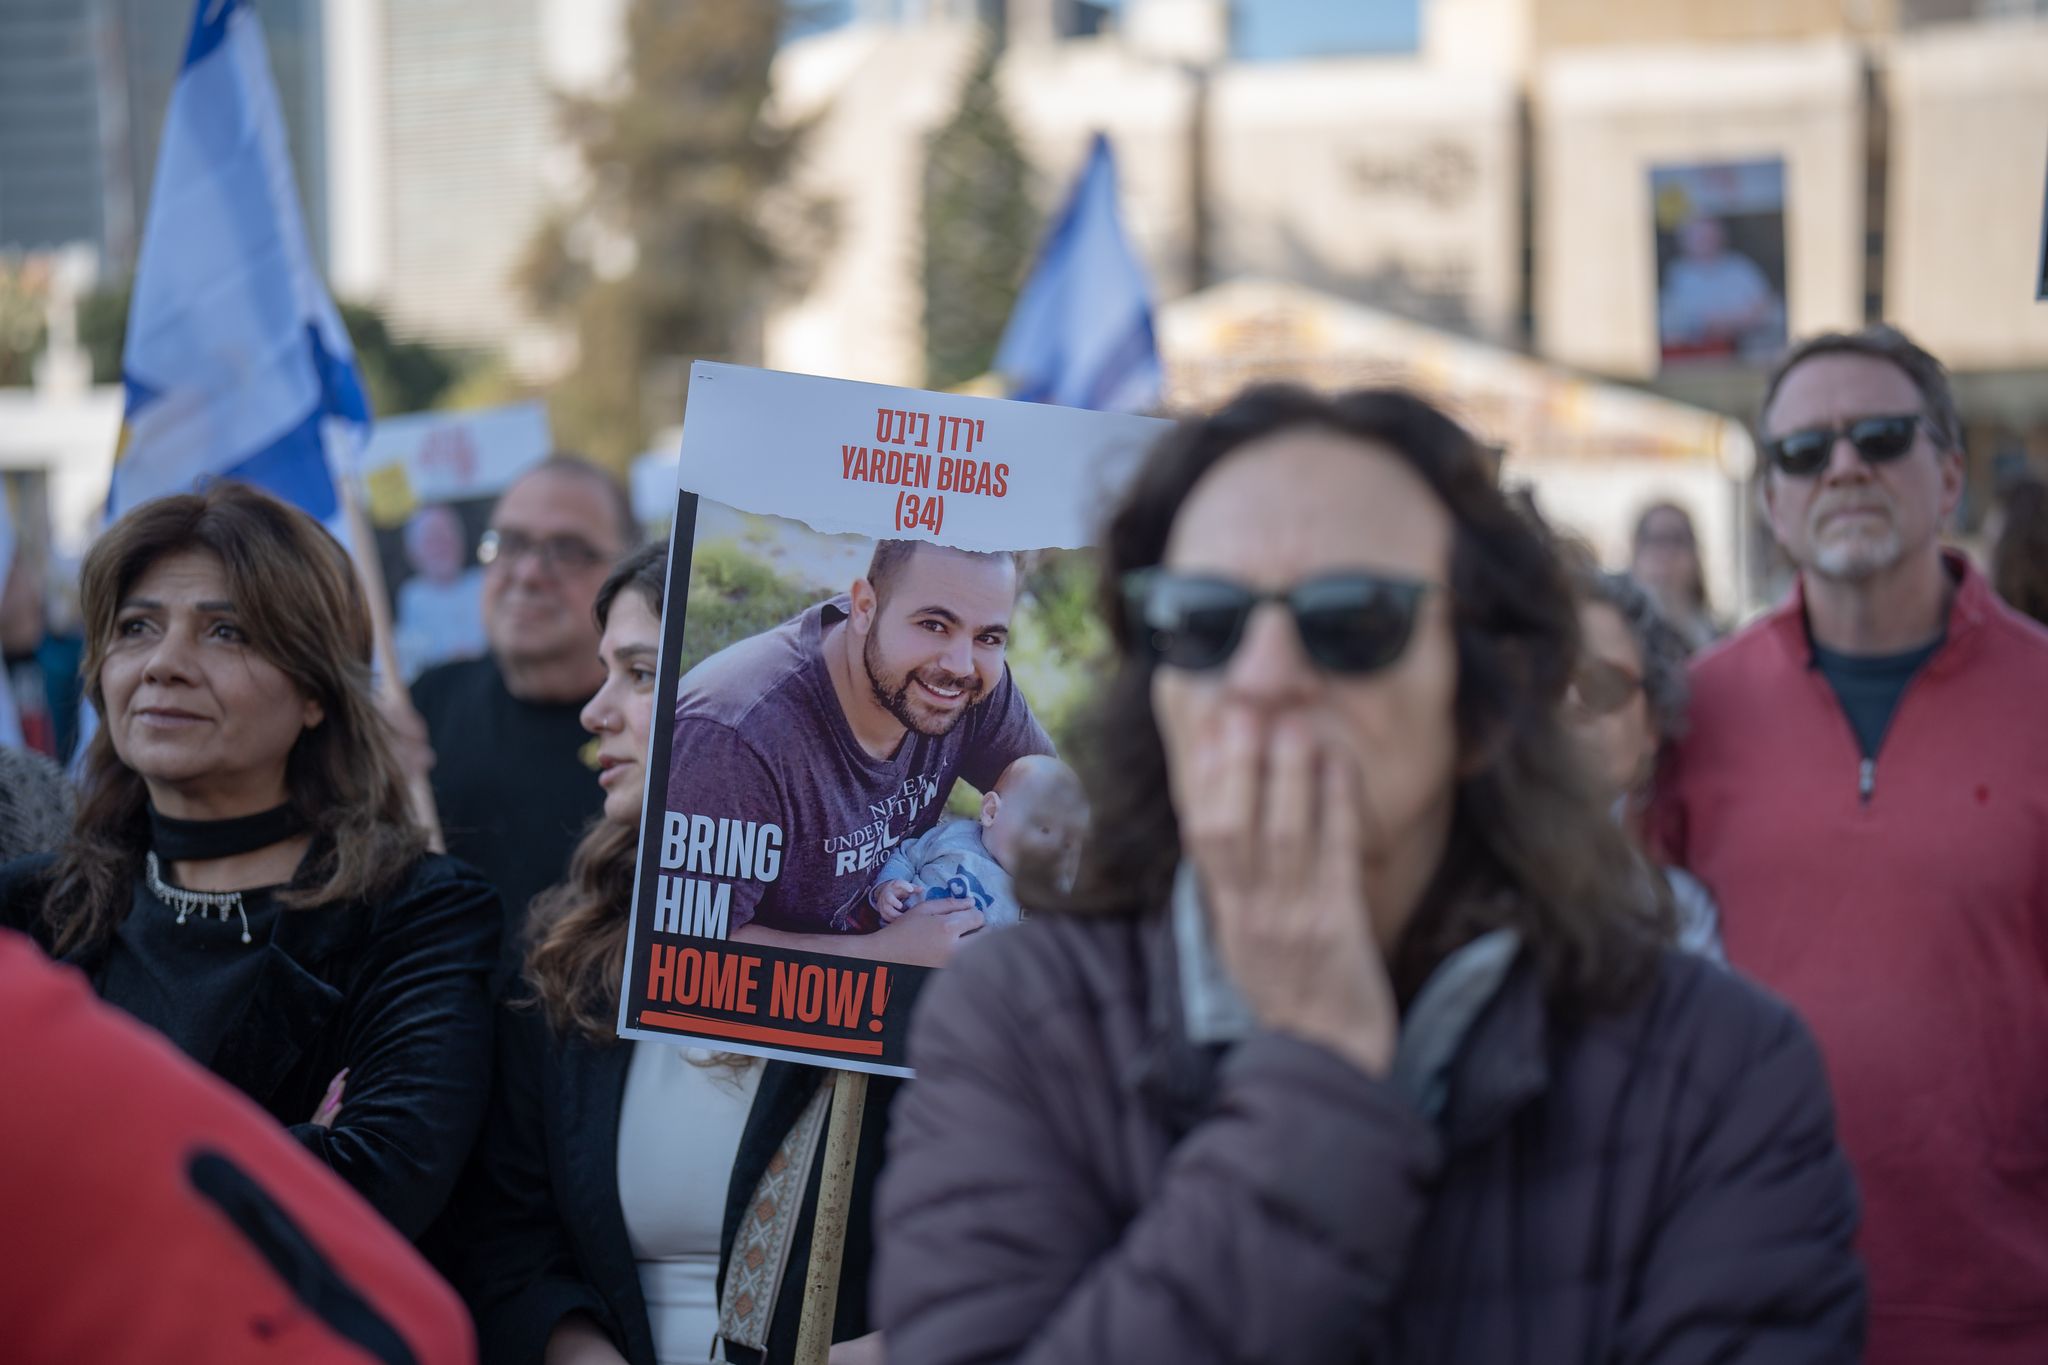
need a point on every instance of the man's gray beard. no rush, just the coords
(1858, 558)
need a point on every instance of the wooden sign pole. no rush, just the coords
(828, 1232)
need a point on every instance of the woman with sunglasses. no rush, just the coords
(1360, 1041)
(1626, 705)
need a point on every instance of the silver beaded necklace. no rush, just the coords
(200, 903)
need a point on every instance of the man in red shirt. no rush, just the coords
(1864, 789)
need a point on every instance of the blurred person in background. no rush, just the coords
(2019, 555)
(35, 804)
(1715, 300)
(511, 768)
(41, 664)
(636, 1201)
(1864, 790)
(243, 873)
(1626, 704)
(439, 613)
(1361, 1042)
(1664, 557)
(154, 1214)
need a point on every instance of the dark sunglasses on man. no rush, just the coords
(558, 554)
(1353, 622)
(1804, 453)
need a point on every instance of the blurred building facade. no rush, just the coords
(83, 89)
(422, 134)
(1491, 182)
(51, 185)
(1915, 140)
(1494, 182)
(452, 155)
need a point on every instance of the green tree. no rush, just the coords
(103, 329)
(685, 168)
(399, 376)
(21, 325)
(980, 224)
(1059, 652)
(734, 595)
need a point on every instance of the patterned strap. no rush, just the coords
(760, 1250)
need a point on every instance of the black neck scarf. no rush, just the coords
(198, 841)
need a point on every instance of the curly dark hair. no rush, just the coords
(1531, 844)
(2019, 562)
(577, 928)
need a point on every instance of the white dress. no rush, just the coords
(679, 1130)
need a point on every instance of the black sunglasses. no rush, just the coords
(1804, 453)
(1352, 622)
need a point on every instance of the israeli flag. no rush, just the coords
(1081, 333)
(236, 364)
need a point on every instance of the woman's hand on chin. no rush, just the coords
(1274, 827)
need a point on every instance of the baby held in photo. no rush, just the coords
(1029, 828)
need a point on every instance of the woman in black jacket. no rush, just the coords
(243, 873)
(633, 1201)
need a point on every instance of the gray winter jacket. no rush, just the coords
(1070, 1179)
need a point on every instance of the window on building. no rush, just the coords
(1276, 30)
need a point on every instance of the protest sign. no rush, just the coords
(430, 480)
(1720, 241)
(845, 640)
(2041, 270)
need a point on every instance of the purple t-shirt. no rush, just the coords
(760, 740)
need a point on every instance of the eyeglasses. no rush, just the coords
(1804, 453)
(1353, 622)
(558, 554)
(1603, 688)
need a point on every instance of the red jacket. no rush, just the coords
(1902, 908)
(148, 1212)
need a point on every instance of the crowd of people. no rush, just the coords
(1457, 952)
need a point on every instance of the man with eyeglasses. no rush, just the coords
(1864, 789)
(512, 781)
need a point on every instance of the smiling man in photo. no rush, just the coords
(844, 729)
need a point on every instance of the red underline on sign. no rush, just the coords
(761, 1033)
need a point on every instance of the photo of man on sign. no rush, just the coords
(806, 756)
(876, 637)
